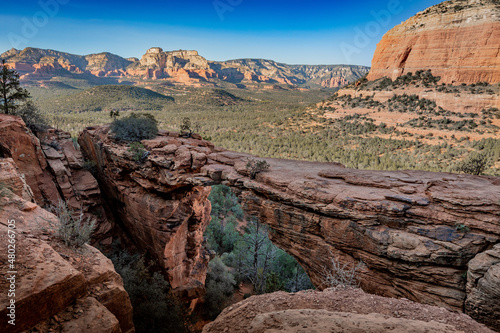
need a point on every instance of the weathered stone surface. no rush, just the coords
(50, 276)
(164, 214)
(18, 143)
(95, 318)
(458, 40)
(11, 179)
(337, 310)
(483, 287)
(53, 168)
(404, 225)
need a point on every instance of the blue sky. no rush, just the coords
(294, 32)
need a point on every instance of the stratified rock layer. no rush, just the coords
(458, 40)
(414, 231)
(164, 216)
(54, 170)
(337, 311)
(79, 287)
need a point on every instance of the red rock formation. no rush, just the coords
(81, 288)
(179, 67)
(483, 290)
(334, 82)
(457, 40)
(337, 310)
(402, 225)
(163, 214)
(53, 168)
(17, 142)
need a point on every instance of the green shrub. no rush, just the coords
(220, 287)
(138, 152)
(155, 308)
(186, 126)
(72, 231)
(255, 167)
(135, 127)
(90, 165)
(462, 228)
(31, 116)
(474, 164)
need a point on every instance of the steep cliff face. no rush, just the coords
(415, 232)
(161, 212)
(54, 170)
(458, 40)
(58, 289)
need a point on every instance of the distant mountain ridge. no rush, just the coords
(177, 67)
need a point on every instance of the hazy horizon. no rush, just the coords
(291, 32)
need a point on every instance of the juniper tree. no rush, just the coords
(10, 89)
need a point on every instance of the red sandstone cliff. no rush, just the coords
(58, 289)
(458, 40)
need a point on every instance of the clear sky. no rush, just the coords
(289, 31)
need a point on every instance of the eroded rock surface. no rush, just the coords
(54, 169)
(458, 40)
(52, 278)
(340, 310)
(414, 231)
(483, 287)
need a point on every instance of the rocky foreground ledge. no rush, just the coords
(428, 237)
(336, 311)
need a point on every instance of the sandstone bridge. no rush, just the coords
(430, 237)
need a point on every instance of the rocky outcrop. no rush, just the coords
(414, 231)
(483, 288)
(57, 289)
(176, 67)
(162, 214)
(18, 143)
(54, 170)
(458, 40)
(337, 310)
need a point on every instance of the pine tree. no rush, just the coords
(10, 90)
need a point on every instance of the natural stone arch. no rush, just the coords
(401, 224)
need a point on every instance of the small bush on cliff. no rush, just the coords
(31, 116)
(73, 231)
(255, 167)
(138, 152)
(135, 127)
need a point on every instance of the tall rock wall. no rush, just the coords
(54, 170)
(458, 40)
(58, 289)
(164, 214)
